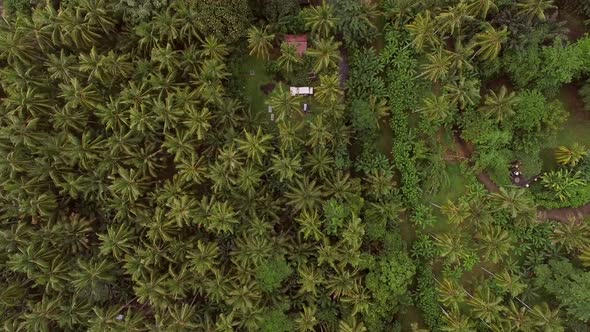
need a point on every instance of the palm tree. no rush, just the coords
(485, 305)
(204, 258)
(41, 316)
(286, 166)
(212, 48)
(326, 53)
(423, 31)
(26, 102)
(181, 145)
(546, 318)
(490, 42)
(481, 8)
(305, 195)
(63, 67)
(310, 279)
(320, 162)
(400, 11)
(510, 283)
(451, 294)
(437, 67)
(306, 321)
(342, 187)
(570, 156)
(254, 146)
(249, 178)
(463, 92)
(499, 105)
(319, 132)
(515, 201)
(17, 48)
(320, 19)
(284, 103)
(222, 218)
(495, 243)
(289, 57)
(75, 30)
(460, 59)
(518, 317)
(118, 241)
(199, 120)
(380, 183)
(92, 278)
(452, 20)
(75, 94)
(351, 325)
(571, 235)
(456, 213)
(182, 318)
(129, 184)
(166, 26)
(452, 246)
(563, 183)
(359, 298)
(259, 41)
(585, 255)
(310, 225)
(535, 8)
(167, 57)
(243, 297)
(329, 89)
(99, 14)
(436, 109)
(454, 321)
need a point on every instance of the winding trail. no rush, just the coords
(563, 214)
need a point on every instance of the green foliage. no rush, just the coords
(355, 22)
(276, 321)
(424, 248)
(388, 282)
(585, 94)
(276, 10)
(427, 298)
(423, 216)
(225, 19)
(549, 67)
(571, 286)
(270, 274)
(14, 7)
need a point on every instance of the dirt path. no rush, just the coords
(466, 151)
(344, 67)
(563, 215)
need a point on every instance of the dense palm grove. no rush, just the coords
(143, 189)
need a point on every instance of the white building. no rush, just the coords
(301, 91)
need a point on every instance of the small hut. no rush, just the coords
(299, 41)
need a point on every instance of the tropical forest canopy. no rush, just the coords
(158, 173)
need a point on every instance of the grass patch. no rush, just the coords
(385, 141)
(252, 83)
(576, 129)
(457, 187)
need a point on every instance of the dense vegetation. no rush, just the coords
(145, 186)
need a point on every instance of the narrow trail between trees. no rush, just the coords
(466, 150)
(563, 214)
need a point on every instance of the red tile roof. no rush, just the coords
(300, 42)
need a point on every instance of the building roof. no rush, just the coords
(300, 42)
(301, 90)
